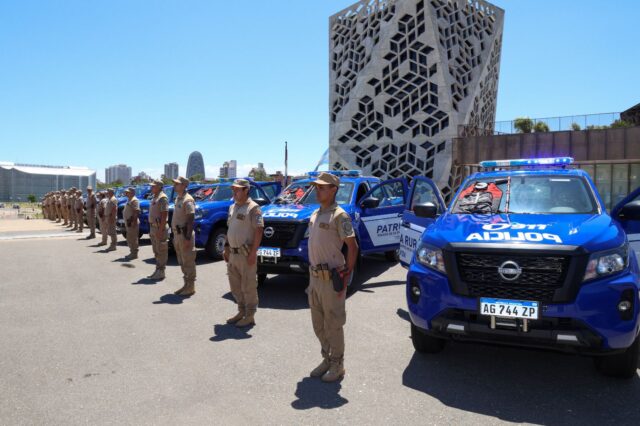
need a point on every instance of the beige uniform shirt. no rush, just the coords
(242, 223)
(64, 201)
(91, 203)
(159, 204)
(102, 206)
(71, 201)
(111, 208)
(79, 204)
(328, 228)
(184, 206)
(132, 206)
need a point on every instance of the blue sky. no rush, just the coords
(146, 82)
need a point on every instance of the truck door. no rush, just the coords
(381, 210)
(627, 214)
(422, 191)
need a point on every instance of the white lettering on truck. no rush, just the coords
(501, 232)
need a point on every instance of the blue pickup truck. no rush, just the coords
(527, 255)
(211, 213)
(375, 208)
(143, 192)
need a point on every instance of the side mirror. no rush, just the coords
(261, 201)
(630, 211)
(370, 203)
(426, 210)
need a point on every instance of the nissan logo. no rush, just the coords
(269, 231)
(509, 270)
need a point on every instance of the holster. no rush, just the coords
(244, 250)
(337, 280)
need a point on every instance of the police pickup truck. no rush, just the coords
(527, 255)
(375, 208)
(211, 213)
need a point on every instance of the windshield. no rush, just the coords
(222, 193)
(203, 193)
(343, 196)
(293, 192)
(527, 195)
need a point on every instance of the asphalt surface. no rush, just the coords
(85, 339)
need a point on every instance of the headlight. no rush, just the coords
(607, 263)
(306, 232)
(430, 257)
(198, 214)
(144, 210)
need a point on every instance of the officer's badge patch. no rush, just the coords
(347, 228)
(324, 225)
(240, 216)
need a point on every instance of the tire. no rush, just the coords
(392, 255)
(426, 344)
(215, 244)
(261, 279)
(623, 365)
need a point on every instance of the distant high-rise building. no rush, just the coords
(229, 169)
(195, 165)
(118, 172)
(171, 170)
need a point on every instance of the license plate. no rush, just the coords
(509, 308)
(268, 252)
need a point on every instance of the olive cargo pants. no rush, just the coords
(160, 247)
(243, 282)
(328, 316)
(186, 258)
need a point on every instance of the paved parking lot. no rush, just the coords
(87, 340)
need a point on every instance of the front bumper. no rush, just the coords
(589, 324)
(292, 261)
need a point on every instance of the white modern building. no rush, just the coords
(118, 172)
(171, 170)
(404, 74)
(18, 181)
(229, 169)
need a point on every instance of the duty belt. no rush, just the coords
(321, 271)
(243, 250)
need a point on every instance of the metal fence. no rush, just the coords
(569, 122)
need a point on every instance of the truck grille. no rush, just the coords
(541, 275)
(285, 234)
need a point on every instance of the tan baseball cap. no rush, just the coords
(157, 183)
(326, 179)
(130, 189)
(89, 188)
(241, 183)
(181, 179)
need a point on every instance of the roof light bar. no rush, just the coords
(552, 161)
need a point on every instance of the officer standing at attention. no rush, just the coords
(91, 213)
(63, 207)
(110, 213)
(245, 225)
(130, 215)
(58, 207)
(158, 214)
(79, 212)
(102, 206)
(71, 201)
(183, 235)
(329, 229)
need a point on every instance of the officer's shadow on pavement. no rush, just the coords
(313, 392)
(170, 299)
(222, 332)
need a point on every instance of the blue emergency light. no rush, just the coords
(552, 161)
(347, 173)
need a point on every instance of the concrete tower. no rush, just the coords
(195, 165)
(404, 74)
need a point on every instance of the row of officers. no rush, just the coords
(330, 229)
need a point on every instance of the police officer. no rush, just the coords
(71, 201)
(79, 206)
(130, 215)
(91, 213)
(102, 205)
(63, 207)
(58, 207)
(110, 214)
(245, 226)
(329, 229)
(183, 235)
(159, 233)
